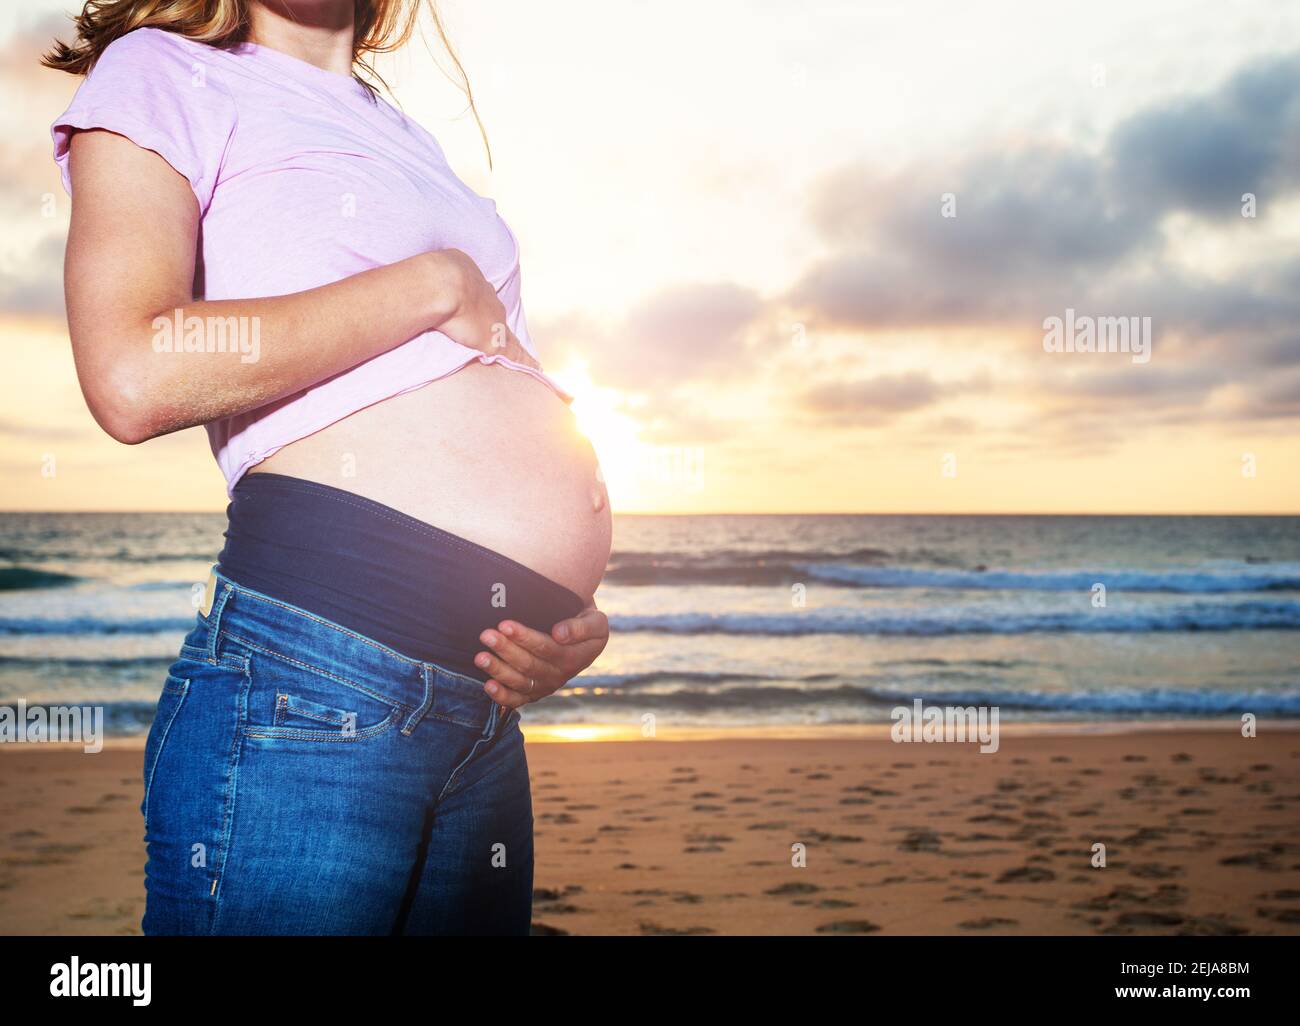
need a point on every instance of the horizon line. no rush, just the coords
(735, 513)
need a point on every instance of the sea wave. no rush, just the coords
(1204, 582)
(1252, 615)
(83, 625)
(78, 664)
(850, 704)
(729, 567)
(26, 578)
(875, 702)
(1156, 700)
(935, 622)
(652, 677)
(871, 568)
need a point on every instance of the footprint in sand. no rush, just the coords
(1211, 926)
(1286, 895)
(824, 838)
(849, 926)
(1164, 896)
(786, 890)
(920, 840)
(1126, 920)
(1027, 874)
(655, 930)
(1264, 858)
(1156, 871)
(1290, 916)
(987, 923)
(559, 818)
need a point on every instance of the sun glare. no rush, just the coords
(602, 416)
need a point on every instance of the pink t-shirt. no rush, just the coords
(302, 179)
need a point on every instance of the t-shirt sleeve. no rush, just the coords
(164, 94)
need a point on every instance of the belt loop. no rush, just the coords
(224, 591)
(413, 721)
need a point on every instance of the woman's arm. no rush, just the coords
(131, 258)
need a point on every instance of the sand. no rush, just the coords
(1201, 828)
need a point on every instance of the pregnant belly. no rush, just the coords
(487, 453)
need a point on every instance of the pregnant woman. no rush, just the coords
(262, 245)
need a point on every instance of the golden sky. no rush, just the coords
(798, 258)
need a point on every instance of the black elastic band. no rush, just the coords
(421, 591)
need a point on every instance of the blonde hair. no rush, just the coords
(380, 26)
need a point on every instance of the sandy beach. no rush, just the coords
(1201, 828)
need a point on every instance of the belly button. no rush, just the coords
(597, 499)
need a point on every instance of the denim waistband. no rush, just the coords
(261, 624)
(411, 587)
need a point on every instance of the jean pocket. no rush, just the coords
(290, 703)
(169, 706)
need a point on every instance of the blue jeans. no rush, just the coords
(300, 778)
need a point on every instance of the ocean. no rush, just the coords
(745, 621)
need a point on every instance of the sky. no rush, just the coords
(802, 257)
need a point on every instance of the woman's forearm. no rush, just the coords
(152, 360)
(187, 365)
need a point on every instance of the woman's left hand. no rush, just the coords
(527, 665)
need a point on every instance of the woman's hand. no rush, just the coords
(527, 665)
(475, 316)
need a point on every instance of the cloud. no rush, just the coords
(1203, 153)
(872, 397)
(1041, 227)
(27, 164)
(31, 259)
(36, 285)
(692, 330)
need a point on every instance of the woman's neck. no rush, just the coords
(320, 32)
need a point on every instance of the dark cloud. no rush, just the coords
(1041, 228)
(1123, 380)
(1203, 153)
